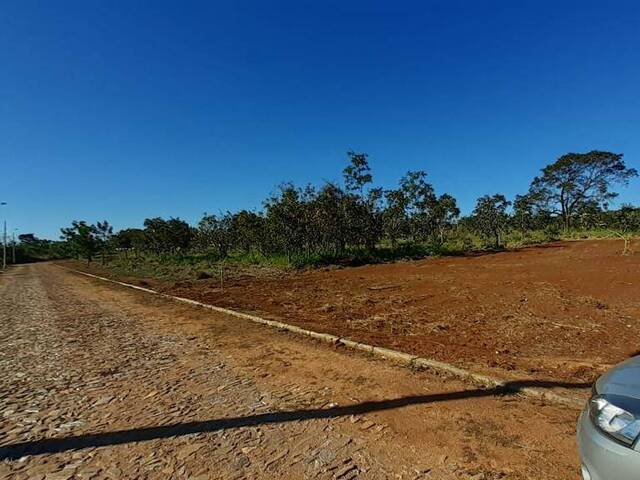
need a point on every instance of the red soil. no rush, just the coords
(566, 310)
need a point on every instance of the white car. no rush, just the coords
(609, 426)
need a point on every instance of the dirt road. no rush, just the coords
(99, 382)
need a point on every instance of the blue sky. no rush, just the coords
(127, 110)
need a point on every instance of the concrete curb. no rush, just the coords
(396, 356)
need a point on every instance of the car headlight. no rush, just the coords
(616, 416)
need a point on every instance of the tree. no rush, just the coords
(28, 238)
(442, 215)
(327, 219)
(82, 239)
(626, 222)
(285, 226)
(167, 236)
(589, 215)
(179, 235)
(361, 209)
(358, 173)
(395, 219)
(523, 213)
(372, 229)
(129, 239)
(30, 248)
(214, 232)
(576, 179)
(420, 199)
(103, 234)
(490, 217)
(246, 230)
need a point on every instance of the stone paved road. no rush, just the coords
(100, 382)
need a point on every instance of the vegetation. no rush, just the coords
(30, 248)
(354, 222)
(490, 217)
(87, 241)
(577, 182)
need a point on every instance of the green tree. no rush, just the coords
(420, 199)
(327, 218)
(214, 233)
(129, 239)
(246, 230)
(443, 213)
(523, 217)
(395, 220)
(358, 173)
(285, 224)
(626, 222)
(167, 236)
(576, 179)
(362, 213)
(82, 239)
(28, 239)
(30, 248)
(490, 217)
(179, 235)
(589, 215)
(104, 234)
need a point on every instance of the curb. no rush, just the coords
(396, 356)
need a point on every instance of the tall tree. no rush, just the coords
(326, 217)
(395, 220)
(28, 238)
(129, 239)
(442, 215)
(358, 173)
(285, 224)
(247, 230)
(420, 199)
(523, 213)
(104, 234)
(490, 217)
(164, 236)
(82, 239)
(361, 209)
(577, 179)
(214, 233)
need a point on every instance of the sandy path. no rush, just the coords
(100, 382)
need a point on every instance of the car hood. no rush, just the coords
(623, 379)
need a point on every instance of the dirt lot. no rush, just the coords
(103, 382)
(564, 311)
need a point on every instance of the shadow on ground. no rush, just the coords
(58, 445)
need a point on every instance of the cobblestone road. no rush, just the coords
(98, 382)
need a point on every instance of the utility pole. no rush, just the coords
(4, 247)
(13, 245)
(4, 243)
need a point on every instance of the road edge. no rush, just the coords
(395, 356)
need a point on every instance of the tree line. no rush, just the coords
(335, 219)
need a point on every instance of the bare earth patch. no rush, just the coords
(565, 311)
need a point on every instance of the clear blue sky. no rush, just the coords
(126, 110)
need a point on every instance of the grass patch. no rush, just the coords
(203, 265)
